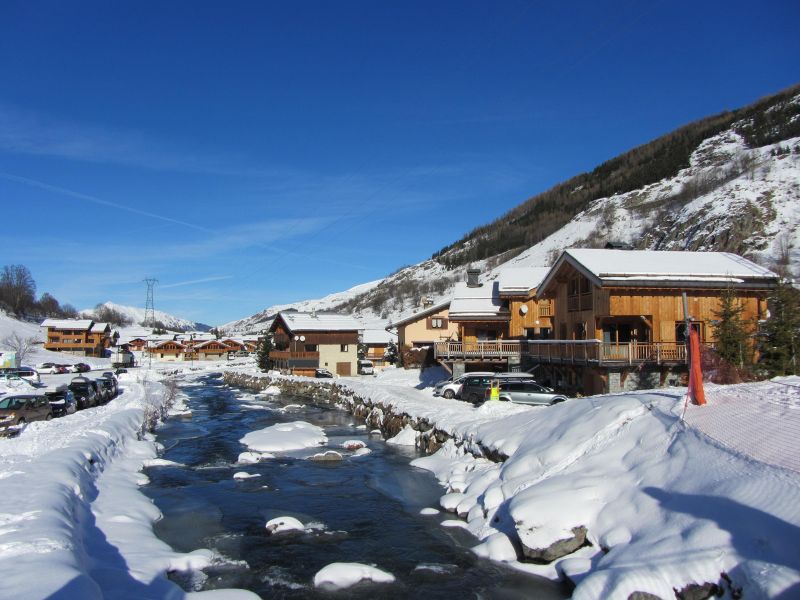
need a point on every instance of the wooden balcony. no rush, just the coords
(288, 355)
(566, 352)
(599, 353)
(478, 350)
(546, 309)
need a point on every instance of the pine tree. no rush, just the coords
(391, 354)
(781, 340)
(262, 358)
(732, 333)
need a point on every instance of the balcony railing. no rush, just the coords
(478, 350)
(288, 355)
(567, 351)
(546, 310)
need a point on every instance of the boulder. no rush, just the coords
(557, 549)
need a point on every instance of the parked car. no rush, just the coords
(120, 371)
(474, 386)
(527, 392)
(323, 374)
(107, 388)
(365, 367)
(48, 367)
(29, 374)
(62, 401)
(62, 369)
(24, 408)
(451, 388)
(85, 392)
(80, 368)
(110, 375)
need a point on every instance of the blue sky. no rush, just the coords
(254, 153)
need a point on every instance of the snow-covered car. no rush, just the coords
(526, 392)
(110, 375)
(62, 402)
(108, 390)
(323, 374)
(85, 392)
(24, 408)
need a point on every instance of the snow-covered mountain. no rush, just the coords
(136, 316)
(262, 319)
(727, 183)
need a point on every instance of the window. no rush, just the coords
(437, 323)
(344, 347)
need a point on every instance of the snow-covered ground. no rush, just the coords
(665, 501)
(73, 523)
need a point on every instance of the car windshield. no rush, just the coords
(11, 403)
(81, 387)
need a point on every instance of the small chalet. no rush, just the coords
(168, 350)
(619, 320)
(79, 337)
(425, 326)
(376, 342)
(493, 318)
(304, 342)
(211, 350)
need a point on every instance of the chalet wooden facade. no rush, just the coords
(494, 319)
(376, 342)
(304, 342)
(78, 337)
(171, 350)
(618, 314)
(425, 326)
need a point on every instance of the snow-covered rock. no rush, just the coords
(284, 437)
(344, 575)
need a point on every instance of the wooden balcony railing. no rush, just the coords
(288, 355)
(546, 310)
(566, 351)
(477, 350)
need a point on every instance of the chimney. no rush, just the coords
(472, 278)
(425, 302)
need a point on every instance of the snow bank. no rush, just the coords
(406, 437)
(343, 575)
(285, 436)
(78, 526)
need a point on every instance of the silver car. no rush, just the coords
(527, 392)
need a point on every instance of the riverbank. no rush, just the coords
(615, 493)
(75, 524)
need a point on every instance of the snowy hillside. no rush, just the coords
(736, 193)
(136, 315)
(262, 319)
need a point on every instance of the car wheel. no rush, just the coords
(557, 401)
(48, 417)
(449, 394)
(22, 421)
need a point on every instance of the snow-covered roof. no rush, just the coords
(378, 336)
(521, 280)
(420, 313)
(482, 302)
(68, 323)
(299, 321)
(660, 268)
(100, 327)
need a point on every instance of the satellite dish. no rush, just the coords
(302, 338)
(523, 310)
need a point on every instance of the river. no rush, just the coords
(362, 509)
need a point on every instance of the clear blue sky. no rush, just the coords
(254, 153)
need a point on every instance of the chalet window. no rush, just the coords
(437, 323)
(344, 347)
(579, 295)
(311, 347)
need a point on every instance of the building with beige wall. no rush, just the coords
(425, 326)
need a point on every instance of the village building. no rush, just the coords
(304, 342)
(425, 326)
(619, 319)
(78, 337)
(493, 319)
(210, 350)
(170, 350)
(376, 342)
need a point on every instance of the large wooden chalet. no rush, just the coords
(79, 337)
(615, 317)
(304, 342)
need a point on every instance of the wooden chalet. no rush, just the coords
(78, 337)
(168, 350)
(619, 321)
(304, 342)
(425, 326)
(211, 350)
(493, 320)
(376, 342)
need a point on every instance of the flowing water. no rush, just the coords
(362, 509)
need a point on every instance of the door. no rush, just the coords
(344, 368)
